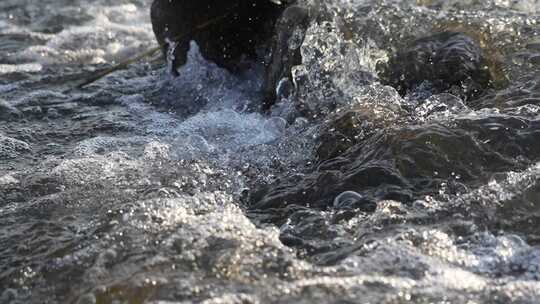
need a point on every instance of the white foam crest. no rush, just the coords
(115, 33)
(222, 131)
(95, 169)
(527, 6)
(229, 129)
(107, 144)
(20, 68)
(218, 124)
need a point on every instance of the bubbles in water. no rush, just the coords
(440, 106)
(329, 66)
(12, 148)
(156, 150)
(347, 198)
(8, 179)
(20, 68)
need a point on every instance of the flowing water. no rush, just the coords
(142, 188)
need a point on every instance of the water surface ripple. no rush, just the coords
(361, 187)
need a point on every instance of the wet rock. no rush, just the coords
(444, 62)
(237, 31)
(289, 36)
(237, 28)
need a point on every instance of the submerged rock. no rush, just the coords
(407, 163)
(344, 129)
(525, 92)
(445, 62)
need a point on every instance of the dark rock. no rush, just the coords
(237, 30)
(289, 36)
(444, 62)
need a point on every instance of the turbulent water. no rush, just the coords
(142, 188)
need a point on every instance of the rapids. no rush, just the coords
(142, 188)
